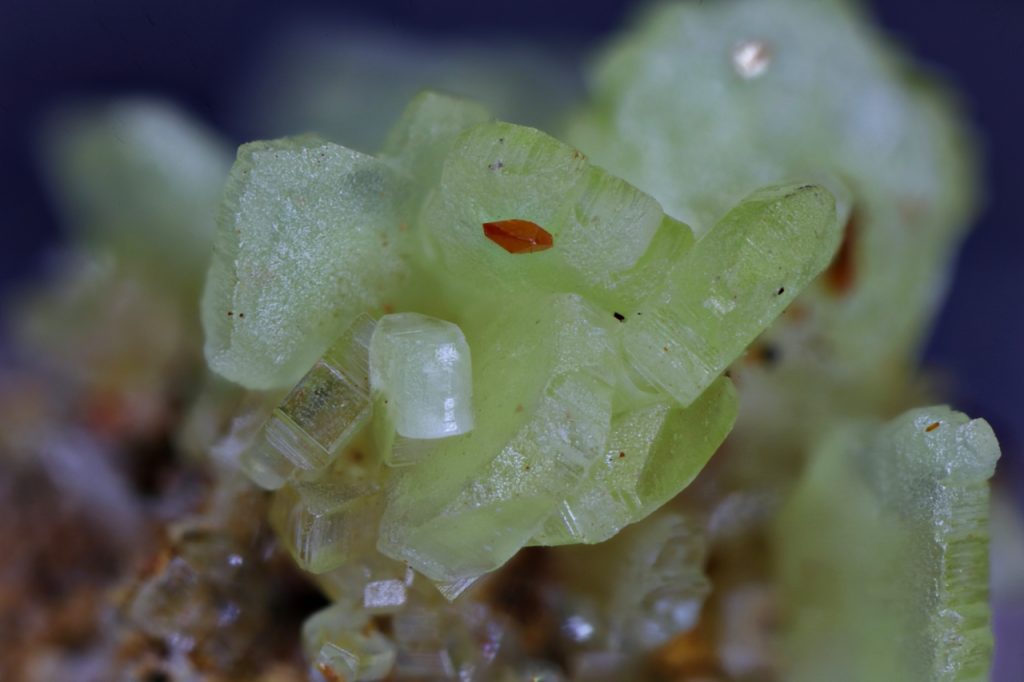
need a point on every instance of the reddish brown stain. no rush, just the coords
(518, 236)
(840, 275)
(931, 427)
(329, 673)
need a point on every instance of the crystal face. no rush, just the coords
(320, 415)
(915, 491)
(421, 376)
(301, 249)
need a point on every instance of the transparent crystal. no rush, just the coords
(326, 522)
(337, 642)
(421, 377)
(326, 409)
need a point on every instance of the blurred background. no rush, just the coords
(226, 62)
(218, 60)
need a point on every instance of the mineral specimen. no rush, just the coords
(508, 414)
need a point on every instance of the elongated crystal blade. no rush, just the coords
(730, 286)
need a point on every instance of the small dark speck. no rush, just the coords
(620, 317)
(230, 314)
(501, 140)
(527, 467)
(781, 291)
(241, 315)
(497, 165)
(932, 426)
(621, 454)
(665, 348)
(770, 354)
(157, 676)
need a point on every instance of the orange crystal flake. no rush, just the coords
(518, 236)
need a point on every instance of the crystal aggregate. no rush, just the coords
(507, 414)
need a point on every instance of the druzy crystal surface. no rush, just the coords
(610, 401)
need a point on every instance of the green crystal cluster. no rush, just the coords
(546, 384)
(524, 409)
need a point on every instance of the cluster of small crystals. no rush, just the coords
(476, 370)
(544, 394)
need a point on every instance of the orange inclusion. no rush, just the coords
(518, 236)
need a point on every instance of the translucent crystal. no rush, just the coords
(786, 89)
(914, 491)
(730, 286)
(328, 521)
(424, 135)
(340, 647)
(441, 641)
(421, 377)
(350, 582)
(601, 227)
(142, 178)
(653, 452)
(480, 497)
(322, 414)
(200, 600)
(303, 246)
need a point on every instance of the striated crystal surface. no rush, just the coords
(421, 378)
(914, 491)
(321, 415)
(479, 497)
(730, 286)
(600, 227)
(652, 453)
(327, 521)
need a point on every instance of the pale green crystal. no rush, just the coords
(142, 178)
(653, 452)
(303, 246)
(423, 136)
(601, 226)
(336, 639)
(330, 518)
(702, 103)
(421, 378)
(479, 497)
(883, 555)
(730, 286)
